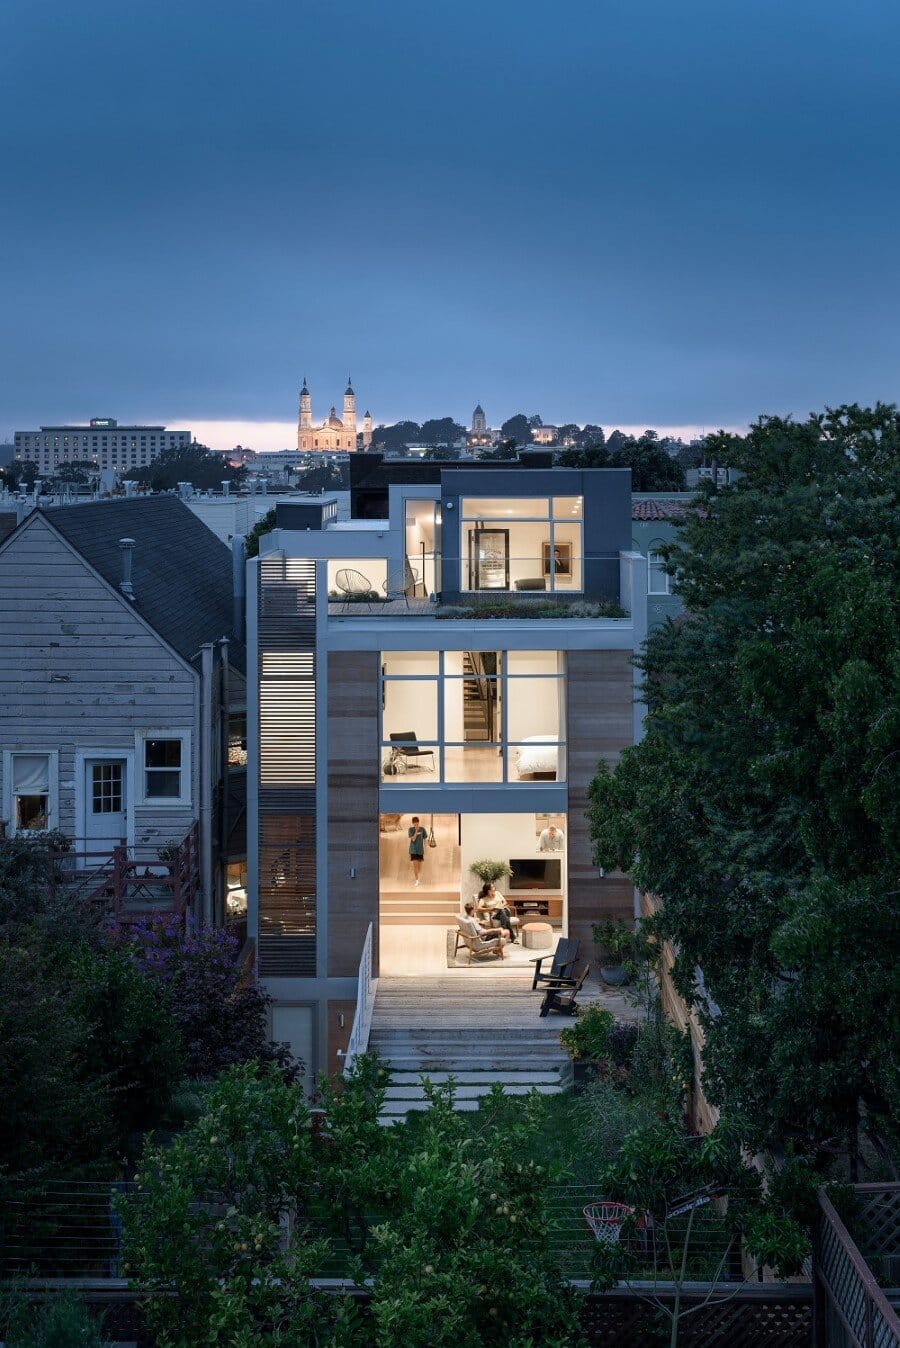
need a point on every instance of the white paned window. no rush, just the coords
(164, 769)
(657, 577)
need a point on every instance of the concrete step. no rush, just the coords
(478, 1092)
(464, 1081)
(458, 1064)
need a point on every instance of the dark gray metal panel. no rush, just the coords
(606, 493)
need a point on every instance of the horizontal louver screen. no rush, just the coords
(287, 750)
(287, 733)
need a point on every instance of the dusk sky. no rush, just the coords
(631, 212)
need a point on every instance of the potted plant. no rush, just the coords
(489, 872)
(587, 1043)
(621, 950)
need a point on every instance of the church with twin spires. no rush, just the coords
(336, 434)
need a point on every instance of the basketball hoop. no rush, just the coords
(605, 1220)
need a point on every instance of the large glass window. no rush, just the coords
(472, 716)
(354, 580)
(657, 577)
(525, 543)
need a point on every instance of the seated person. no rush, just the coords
(490, 901)
(470, 925)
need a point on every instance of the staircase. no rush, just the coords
(479, 1027)
(427, 906)
(478, 695)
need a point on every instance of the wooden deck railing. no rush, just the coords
(128, 881)
(851, 1310)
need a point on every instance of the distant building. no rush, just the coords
(545, 435)
(335, 434)
(480, 432)
(103, 443)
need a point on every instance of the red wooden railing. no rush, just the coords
(128, 881)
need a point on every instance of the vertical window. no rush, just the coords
(657, 577)
(31, 805)
(163, 769)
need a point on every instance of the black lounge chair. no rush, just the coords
(564, 957)
(561, 993)
(406, 746)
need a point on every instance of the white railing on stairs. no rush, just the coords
(366, 986)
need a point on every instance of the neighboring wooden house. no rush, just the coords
(119, 668)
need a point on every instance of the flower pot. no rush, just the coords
(616, 975)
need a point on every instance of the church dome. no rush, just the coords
(334, 420)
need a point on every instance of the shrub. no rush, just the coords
(222, 1016)
(133, 1044)
(61, 1322)
(588, 1038)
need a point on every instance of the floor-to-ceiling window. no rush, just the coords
(527, 543)
(472, 716)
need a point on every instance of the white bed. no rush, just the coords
(538, 753)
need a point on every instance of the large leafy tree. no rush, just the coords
(763, 806)
(652, 467)
(192, 463)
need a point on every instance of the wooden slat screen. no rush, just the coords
(287, 785)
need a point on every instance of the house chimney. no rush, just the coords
(129, 487)
(226, 487)
(238, 585)
(185, 490)
(126, 547)
(264, 485)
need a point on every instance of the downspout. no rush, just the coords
(224, 810)
(206, 792)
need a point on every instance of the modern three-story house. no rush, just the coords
(466, 659)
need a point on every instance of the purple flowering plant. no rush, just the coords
(222, 1014)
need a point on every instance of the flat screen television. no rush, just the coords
(535, 873)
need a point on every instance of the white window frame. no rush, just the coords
(654, 568)
(9, 811)
(163, 802)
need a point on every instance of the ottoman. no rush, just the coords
(537, 936)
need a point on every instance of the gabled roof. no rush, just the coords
(658, 510)
(181, 572)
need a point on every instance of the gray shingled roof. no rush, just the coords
(181, 572)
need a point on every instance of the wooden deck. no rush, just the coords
(489, 995)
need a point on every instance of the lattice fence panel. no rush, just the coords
(876, 1225)
(747, 1321)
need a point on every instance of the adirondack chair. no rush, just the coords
(561, 993)
(564, 957)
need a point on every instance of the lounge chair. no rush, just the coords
(564, 957)
(561, 993)
(406, 747)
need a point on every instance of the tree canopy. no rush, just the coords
(763, 805)
(652, 467)
(193, 463)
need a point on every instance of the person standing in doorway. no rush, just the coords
(417, 836)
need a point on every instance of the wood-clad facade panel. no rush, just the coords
(599, 698)
(352, 806)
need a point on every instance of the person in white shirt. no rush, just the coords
(470, 925)
(552, 839)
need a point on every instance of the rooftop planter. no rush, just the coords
(512, 608)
